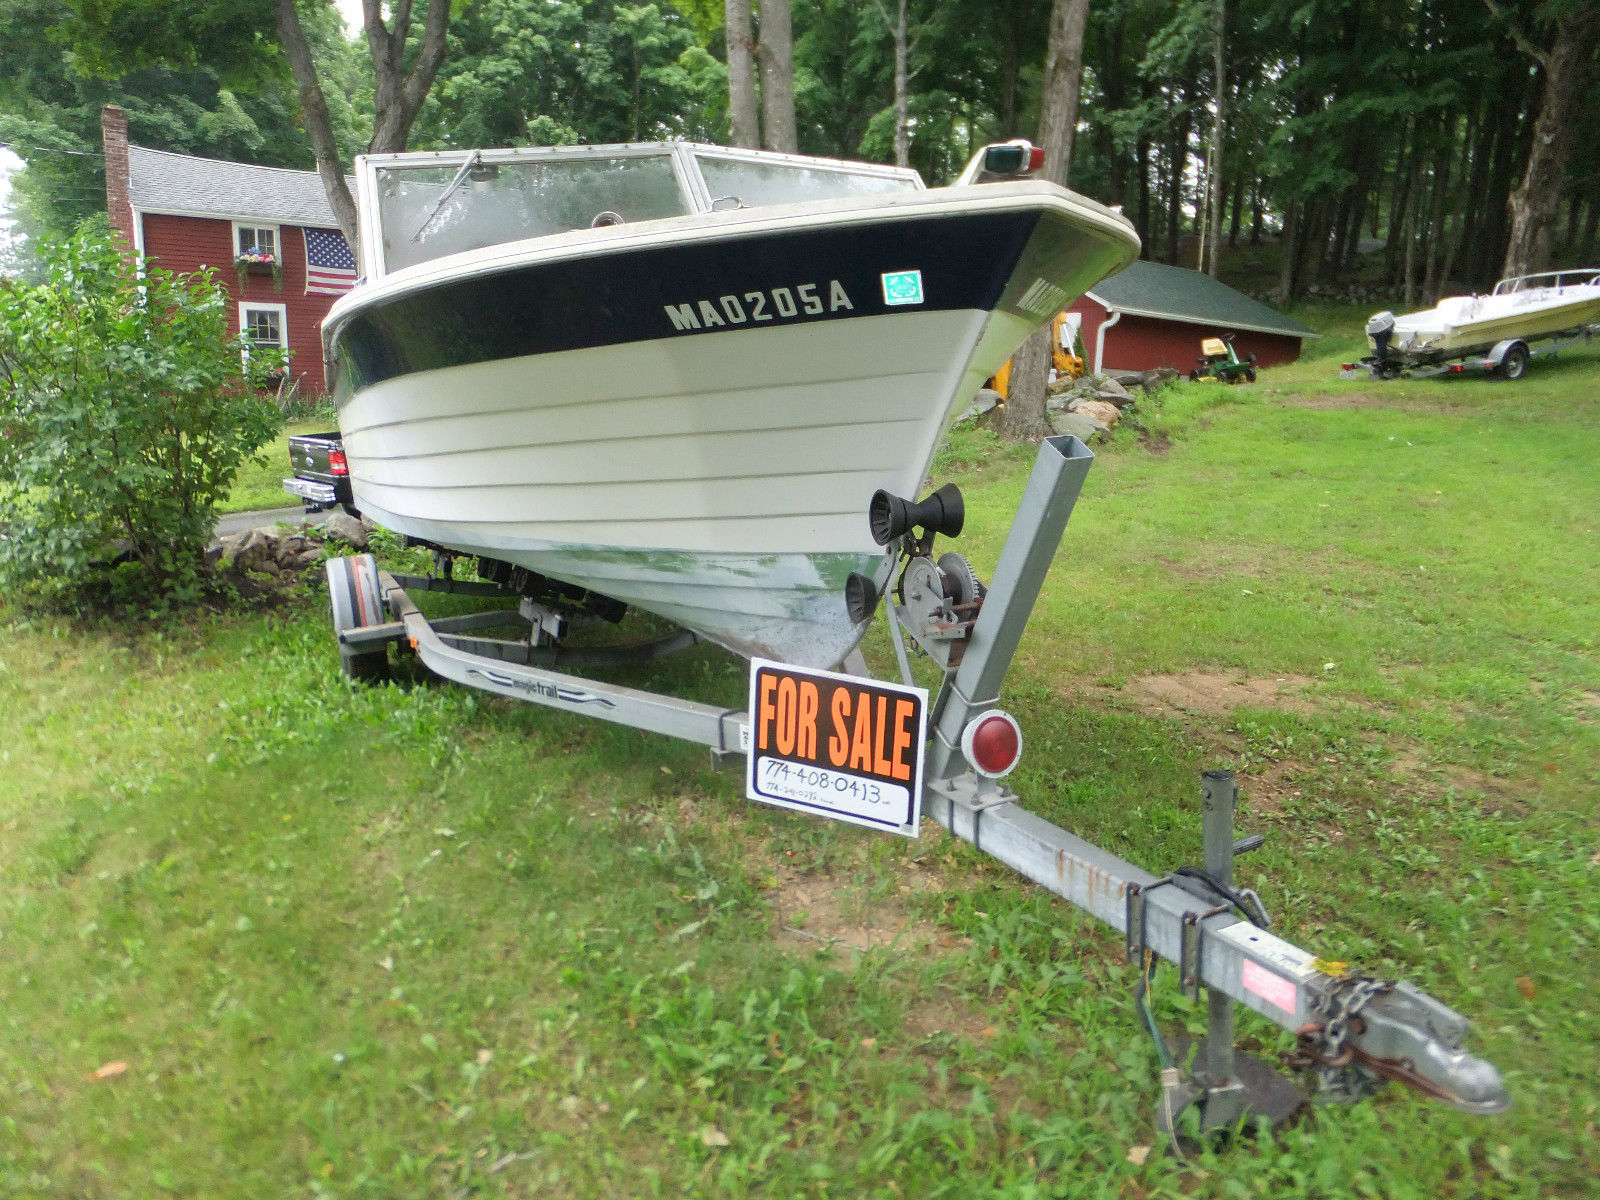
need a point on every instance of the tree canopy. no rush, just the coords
(1412, 147)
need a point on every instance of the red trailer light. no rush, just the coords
(337, 465)
(1035, 158)
(1455, 368)
(992, 743)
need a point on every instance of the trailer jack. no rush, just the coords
(1355, 1032)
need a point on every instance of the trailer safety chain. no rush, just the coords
(1324, 1044)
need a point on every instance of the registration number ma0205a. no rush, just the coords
(769, 304)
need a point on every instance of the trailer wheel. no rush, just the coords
(1249, 374)
(1515, 364)
(1194, 376)
(357, 602)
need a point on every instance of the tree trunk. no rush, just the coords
(397, 93)
(1437, 244)
(1219, 65)
(902, 80)
(1142, 157)
(1414, 189)
(775, 60)
(1238, 208)
(319, 125)
(1399, 202)
(1289, 244)
(1023, 418)
(1177, 161)
(1536, 204)
(744, 127)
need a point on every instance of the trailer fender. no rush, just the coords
(1509, 358)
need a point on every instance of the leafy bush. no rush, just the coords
(126, 410)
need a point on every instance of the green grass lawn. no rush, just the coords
(415, 941)
(260, 483)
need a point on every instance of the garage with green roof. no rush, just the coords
(1152, 315)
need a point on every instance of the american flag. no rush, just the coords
(330, 267)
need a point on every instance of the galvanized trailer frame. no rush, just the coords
(1353, 1030)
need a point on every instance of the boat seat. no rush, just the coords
(1458, 308)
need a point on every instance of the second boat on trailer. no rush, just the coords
(674, 375)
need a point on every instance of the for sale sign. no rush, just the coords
(837, 746)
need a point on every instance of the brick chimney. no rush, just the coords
(119, 204)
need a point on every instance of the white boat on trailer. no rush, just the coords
(674, 375)
(1493, 333)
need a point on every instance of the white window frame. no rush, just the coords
(282, 311)
(256, 227)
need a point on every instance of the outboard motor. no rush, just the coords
(1380, 329)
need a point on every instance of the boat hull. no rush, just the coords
(608, 419)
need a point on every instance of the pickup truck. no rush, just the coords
(321, 475)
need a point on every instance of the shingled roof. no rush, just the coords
(159, 181)
(1148, 289)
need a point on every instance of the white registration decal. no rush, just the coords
(770, 304)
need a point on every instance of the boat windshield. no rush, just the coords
(428, 211)
(755, 184)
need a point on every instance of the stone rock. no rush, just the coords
(1100, 411)
(983, 402)
(345, 528)
(1117, 399)
(250, 550)
(304, 559)
(1080, 425)
(1106, 386)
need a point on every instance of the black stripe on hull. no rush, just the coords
(966, 262)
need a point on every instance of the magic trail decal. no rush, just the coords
(538, 689)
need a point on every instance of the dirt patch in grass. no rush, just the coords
(949, 1015)
(1327, 401)
(826, 908)
(1269, 789)
(1588, 705)
(1499, 795)
(1216, 694)
(1157, 443)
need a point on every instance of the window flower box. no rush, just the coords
(258, 262)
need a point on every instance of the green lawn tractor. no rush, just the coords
(1220, 363)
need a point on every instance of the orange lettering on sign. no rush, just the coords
(766, 714)
(904, 711)
(805, 742)
(786, 715)
(880, 764)
(861, 741)
(838, 744)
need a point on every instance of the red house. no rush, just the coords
(268, 234)
(1152, 315)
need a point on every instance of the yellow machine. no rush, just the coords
(1063, 340)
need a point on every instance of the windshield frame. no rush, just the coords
(686, 173)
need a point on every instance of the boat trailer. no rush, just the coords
(1508, 359)
(1354, 1031)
